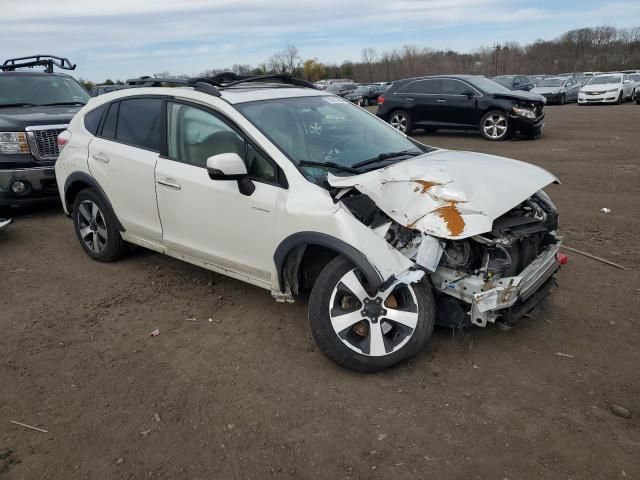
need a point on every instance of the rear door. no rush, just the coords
(428, 101)
(122, 159)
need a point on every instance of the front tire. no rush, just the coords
(563, 99)
(368, 333)
(494, 126)
(96, 227)
(620, 99)
(401, 120)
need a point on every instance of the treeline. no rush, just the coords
(602, 48)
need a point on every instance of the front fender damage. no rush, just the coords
(487, 244)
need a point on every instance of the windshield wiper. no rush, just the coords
(61, 103)
(337, 166)
(7, 105)
(385, 156)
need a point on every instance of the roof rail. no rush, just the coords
(212, 85)
(47, 61)
(201, 85)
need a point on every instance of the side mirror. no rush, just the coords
(468, 93)
(226, 166)
(229, 166)
(627, 81)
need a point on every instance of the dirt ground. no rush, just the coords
(234, 388)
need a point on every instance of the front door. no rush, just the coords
(210, 220)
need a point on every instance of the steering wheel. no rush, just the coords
(331, 150)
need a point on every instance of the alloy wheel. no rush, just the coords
(374, 325)
(92, 226)
(495, 126)
(399, 122)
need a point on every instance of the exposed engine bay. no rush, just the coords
(481, 270)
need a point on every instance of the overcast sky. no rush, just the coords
(120, 39)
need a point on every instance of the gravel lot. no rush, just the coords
(234, 388)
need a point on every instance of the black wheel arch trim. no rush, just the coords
(82, 177)
(299, 239)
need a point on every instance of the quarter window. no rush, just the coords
(139, 122)
(110, 122)
(92, 119)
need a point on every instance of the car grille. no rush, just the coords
(47, 143)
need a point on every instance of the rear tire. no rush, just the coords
(368, 342)
(494, 126)
(401, 121)
(96, 227)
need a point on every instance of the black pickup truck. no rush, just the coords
(35, 106)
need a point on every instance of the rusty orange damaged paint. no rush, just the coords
(452, 217)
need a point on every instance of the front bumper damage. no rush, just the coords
(489, 300)
(445, 198)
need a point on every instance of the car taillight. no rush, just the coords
(562, 258)
(63, 139)
(380, 99)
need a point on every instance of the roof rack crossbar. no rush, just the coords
(200, 84)
(47, 61)
(212, 85)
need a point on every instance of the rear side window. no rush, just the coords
(139, 122)
(427, 87)
(110, 122)
(92, 119)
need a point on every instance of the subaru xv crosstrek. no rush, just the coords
(304, 194)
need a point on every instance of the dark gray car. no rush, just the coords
(559, 89)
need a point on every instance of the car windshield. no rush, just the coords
(488, 85)
(40, 90)
(329, 133)
(605, 79)
(551, 82)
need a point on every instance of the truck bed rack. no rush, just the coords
(47, 61)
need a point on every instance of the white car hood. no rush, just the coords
(449, 194)
(601, 87)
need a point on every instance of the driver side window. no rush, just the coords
(193, 135)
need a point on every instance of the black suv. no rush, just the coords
(35, 106)
(461, 102)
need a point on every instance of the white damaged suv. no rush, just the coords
(300, 192)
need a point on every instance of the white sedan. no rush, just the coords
(608, 88)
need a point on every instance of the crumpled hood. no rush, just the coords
(449, 194)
